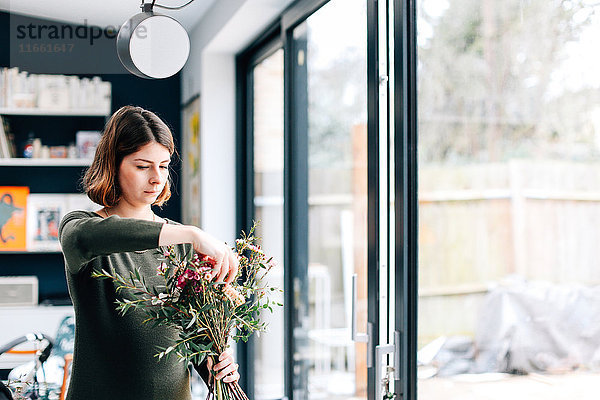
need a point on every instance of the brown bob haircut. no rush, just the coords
(127, 130)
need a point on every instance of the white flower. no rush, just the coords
(176, 295)
(160, 300)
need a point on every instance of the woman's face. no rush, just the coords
(143, 174)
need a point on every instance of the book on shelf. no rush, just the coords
(4, 150)
(7, 145)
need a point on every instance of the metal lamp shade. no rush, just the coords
(153, 46)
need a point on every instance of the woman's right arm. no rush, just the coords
(83, 238)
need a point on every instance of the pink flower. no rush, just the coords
(233, 295)
(204, 268)
(162, 268)
(190, 274)
(181, 282)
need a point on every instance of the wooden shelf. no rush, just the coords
(45, 162)
(40, 111)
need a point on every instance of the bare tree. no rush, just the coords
(487, 90)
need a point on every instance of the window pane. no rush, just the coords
(268, 201)
(509, 204)
(332, 48)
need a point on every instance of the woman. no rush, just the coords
(114, 356)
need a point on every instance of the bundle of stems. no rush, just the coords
(219, 390)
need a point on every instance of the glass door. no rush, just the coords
(329, 200)
(266, 79)
(315, 170)
(509, 204)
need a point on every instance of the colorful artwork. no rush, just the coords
(13, 214)
(191, 163)
(44, 212)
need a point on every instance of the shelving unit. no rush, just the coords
(58, 127)
(50, 112)
(19, 171)
(44, 162)
(39, 112)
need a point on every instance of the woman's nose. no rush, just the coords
(155, 177)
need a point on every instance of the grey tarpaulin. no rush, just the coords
(525, 327)
(538, 326)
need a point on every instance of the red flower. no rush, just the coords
(209, 260)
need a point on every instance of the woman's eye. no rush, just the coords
(140, 167)
(164, 167)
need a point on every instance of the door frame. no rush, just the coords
(264, 46)
(406, 194)
(278, 35)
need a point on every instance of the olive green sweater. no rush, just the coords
(114, 355)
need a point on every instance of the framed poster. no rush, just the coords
(190, 186)
(13, 218)
(44, 212)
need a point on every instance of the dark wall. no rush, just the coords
(160, 96)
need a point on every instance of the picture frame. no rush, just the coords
(13, 217)
(87, 142)
(191, 176)
(44, 213)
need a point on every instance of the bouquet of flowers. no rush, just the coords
(207, 314)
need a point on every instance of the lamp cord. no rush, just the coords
(165, 7)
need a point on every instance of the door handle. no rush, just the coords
(361, 337)
(380, 352)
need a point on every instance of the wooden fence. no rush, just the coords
(480, 223)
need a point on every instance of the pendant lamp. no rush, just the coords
(151, 45)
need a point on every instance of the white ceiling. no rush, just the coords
(104, 13)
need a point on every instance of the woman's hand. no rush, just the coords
(228, 370)
(226, 266)
(226, 262)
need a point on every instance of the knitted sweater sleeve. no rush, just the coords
(84, 237)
